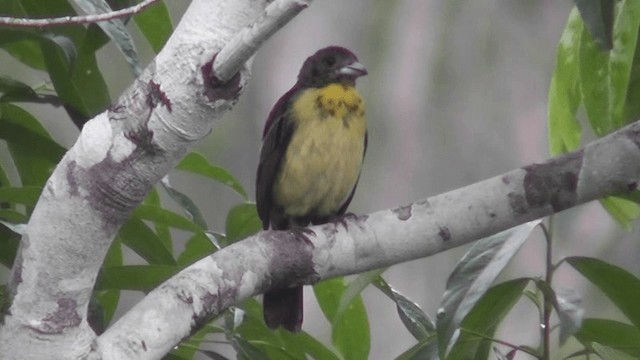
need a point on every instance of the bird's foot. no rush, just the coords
(343, 219)
(302, 234)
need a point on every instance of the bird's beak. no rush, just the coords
(354, 70)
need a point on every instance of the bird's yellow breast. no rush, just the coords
(322, 162)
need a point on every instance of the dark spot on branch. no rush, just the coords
(291, 259)
(65, 316)
(517, 203)
(505, 179)
(215, 88)
(156, 96)
(403, 212)
(144, 345)
(444, 233)
(554, 182)
(632, 186)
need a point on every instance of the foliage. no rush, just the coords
(603, 83)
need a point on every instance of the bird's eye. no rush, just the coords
(329, 61)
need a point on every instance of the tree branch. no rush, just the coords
(273, 259)
(73, 20)
(118, 157)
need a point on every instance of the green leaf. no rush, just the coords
(242, 221)
(484, 319)
(350, 332)
(619, 285)
(617, 335)
(594, 84)
(141, 239)
(109, 299)
(9, 242)
(23, 46)
(135, 277)
(473, 276)
(598, 16)
(162, 230)
(14, 87)
(414, 319)
(115, 29)
(246, 350)
(13, 216)
(198, 164)
(606, 352)
(185, 202)
(309, 345)
(425, 349)
(622, 210)
(354, 290)
(564, 131)
(21, 130)
(26, 195)
(621, 58)
(163, 216)
(155, 24)
(197, 247)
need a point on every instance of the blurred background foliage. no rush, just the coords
(458, 91)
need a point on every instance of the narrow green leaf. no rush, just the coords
(622, 210)
(26, 195)
(198, 164)
(115, 29)
(621, 58)
(155, 24)
(619, 285)
(310, 345)
(594, 84)
(413, 317)
(141, 239)
(162, 230)
(242, 221)
(213, 355)
(425, 349)
(617, 335)
(163, 216)
(248, 350)
(484, 318)
(350, 333)
(109, 299)
(9, 85)
(185, 202)
(474, 275)
(135, 277)
(13, 216)
(598, 16)
(354, 290)
(564, 131)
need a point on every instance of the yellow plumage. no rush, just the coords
(323, 159)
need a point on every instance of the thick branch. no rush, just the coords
(270, 259)
(117, 158)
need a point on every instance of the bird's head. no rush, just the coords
(329, 65)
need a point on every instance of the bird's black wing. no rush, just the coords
(344, 206)
(276, 137)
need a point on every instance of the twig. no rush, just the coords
(74, 20)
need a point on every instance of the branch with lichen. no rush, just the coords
(356, 244)
(118, 157)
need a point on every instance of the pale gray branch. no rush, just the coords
(271, 259)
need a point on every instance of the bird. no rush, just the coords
(313, 146)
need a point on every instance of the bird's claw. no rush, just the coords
(302, 234)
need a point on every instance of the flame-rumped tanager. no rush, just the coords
(313, 146)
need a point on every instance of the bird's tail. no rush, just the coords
(283, 308)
